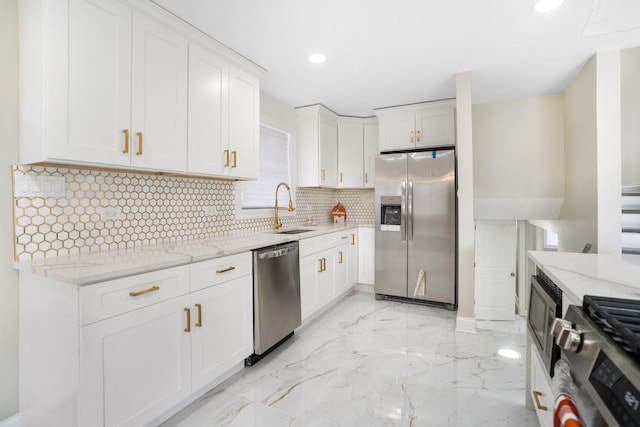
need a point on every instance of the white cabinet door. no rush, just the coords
(244, 124)
(88, 101)
(134, 366)
(310, 269)
(350, 152)
(222, 328)
(495, 278)
(341, 262)
(327, 278)
(328, 128)
(353, 257)
(435, 127)
(397, 131)
(207, 132)
(366, 255)
(370, 152)
(159, 97)
(541, 393)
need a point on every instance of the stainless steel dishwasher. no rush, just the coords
(276, 297)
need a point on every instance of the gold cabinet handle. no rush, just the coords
(411, 137)
(224, 270)
(188, 328)
(322, 175)
(366, 178)
(353, 240)
(226, 158)
(344, 237)
(340, 253)
(199, 322)
(126, 141)
(320, 265)
(235, 159)
(340, 176)
(536, 396)
(418, 136)
(144, 291)
(324, 264)
(139, 152)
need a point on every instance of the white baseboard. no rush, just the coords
(466, 325)
(12, 421)
(363, 287)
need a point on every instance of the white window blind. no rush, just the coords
(274, 169)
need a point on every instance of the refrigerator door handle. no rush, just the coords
(403, 211)
(410, 212)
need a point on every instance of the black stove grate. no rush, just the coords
(619, 318)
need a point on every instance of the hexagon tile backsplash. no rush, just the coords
(103, 210)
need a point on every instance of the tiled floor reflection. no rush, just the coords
(377, 363)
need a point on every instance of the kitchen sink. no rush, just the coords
(294, 231)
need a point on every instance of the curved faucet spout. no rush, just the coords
(276, 222)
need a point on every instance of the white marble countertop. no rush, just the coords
(579, 274)
(88, 268)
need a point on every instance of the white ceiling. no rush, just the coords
(382, 53)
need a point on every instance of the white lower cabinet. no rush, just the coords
(325, 274)
(222, 329)
(541, 393)
(131, 350)
(366, 255)
(134, 366)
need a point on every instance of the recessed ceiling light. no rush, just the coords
(317, 58)
(547, 5)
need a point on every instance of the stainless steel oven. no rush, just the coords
(545, 305)
(601, 343)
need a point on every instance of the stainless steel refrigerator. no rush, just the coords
(415, 201)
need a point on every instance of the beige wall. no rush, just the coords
(630, 99)
(578, 217)
(9, 155)
(518, 158)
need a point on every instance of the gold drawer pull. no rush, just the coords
(536, 396)
(144, 291)
(344, 237)
(353, 240)
(139, 152)
(340, 176)
(188, 328)
(226, 158)
(322, 174)
(320, 266)
(199, 322)
(126, 141)
(235, 159)
(224, 270)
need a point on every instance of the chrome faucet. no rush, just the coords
(277, 225)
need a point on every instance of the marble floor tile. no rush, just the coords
(377, 363)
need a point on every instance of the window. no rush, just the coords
(274, 168)
(550, 241)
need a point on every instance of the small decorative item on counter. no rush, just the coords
(339, 214)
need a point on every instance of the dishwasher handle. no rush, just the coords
(276, 253)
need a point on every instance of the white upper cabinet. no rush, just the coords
(350, 152)
(159, 97)
(417, 126)
(224, 117)
(106, 83)
(370, 136)
(317, 135)
(244, 124)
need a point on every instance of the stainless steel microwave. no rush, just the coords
(545, 305)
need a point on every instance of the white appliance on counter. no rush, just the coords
(415, 235)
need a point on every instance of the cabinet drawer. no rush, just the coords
(220, 270)
(320, 243)
(114, 297)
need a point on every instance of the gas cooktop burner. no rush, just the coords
(619, 318)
